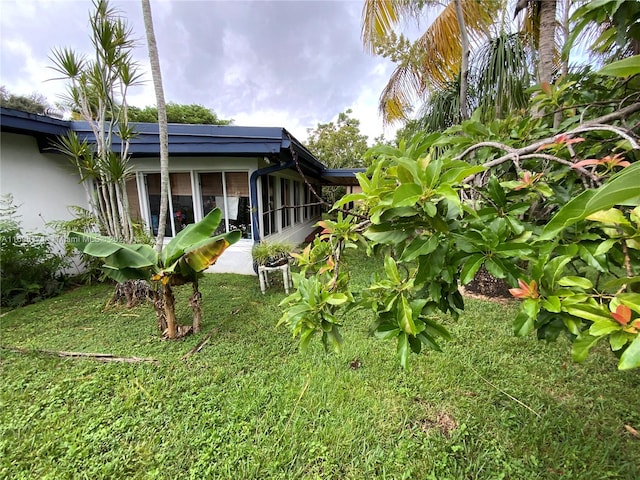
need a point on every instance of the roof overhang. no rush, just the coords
(274, 143)
(341, 176)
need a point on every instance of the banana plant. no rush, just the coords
(181, 261)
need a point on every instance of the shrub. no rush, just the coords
(30, 270)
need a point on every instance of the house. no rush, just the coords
(262, 178)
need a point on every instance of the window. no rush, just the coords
(134, 201)
(181, 200)
(269, 205)
(297, 217)
(180, 212)
(228, 191)
(285, 201)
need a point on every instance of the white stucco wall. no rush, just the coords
(44, 185)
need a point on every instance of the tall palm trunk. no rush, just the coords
(168, 300)
(162, 121)
(546, 50)
(464, 63)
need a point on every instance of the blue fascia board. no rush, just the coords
(31, 123)
(342, 172)
(184, 139)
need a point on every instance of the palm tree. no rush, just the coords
(541, 24)
(435, 59)
(156, 74)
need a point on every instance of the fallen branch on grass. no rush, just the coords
(99, 357)
(200, 344)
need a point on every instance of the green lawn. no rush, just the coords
(248, 405)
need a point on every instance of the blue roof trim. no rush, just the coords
(184, 139)
(16, 121)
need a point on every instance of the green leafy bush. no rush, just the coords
(30, 270)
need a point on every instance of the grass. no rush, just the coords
(250, 406)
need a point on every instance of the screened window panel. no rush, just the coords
(134, 201)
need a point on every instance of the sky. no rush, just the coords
(290, 64)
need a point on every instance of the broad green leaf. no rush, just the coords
(554, 268)
(618, 340)
(494, 267)
(631, 356)
(419, 246)
(429, 341)
(611, 216)
(333, 339)
(455, 175)
(386, 233)
(572, 281)
(405, 317)
(572, 324)
(621, 189)
(337, 299)
(192, 234)
(622, 68)
(470, 267)
(415, 344)
(386, 331)
(351, 197)
(403, 349)
(605, 246)
(496, 192)
(406, 195)
(204, 254)
(116, 255)
(121, 275)
(523, 324)
(552, 304)
(603, 327)
(305, 339)
(588, 312)
(437, 329)
(391, 269)
(512, 249)
(531, 306)
(581, 346)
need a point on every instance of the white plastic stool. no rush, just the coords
(263, 275)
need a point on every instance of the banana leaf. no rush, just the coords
(191, 235)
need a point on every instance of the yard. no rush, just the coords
(248, 405)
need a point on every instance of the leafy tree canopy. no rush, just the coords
(178, 113)
(339, 144)
(33, 103)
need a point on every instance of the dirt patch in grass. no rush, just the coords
(442, 422)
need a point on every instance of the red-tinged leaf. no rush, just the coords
(546, 88)
(622, 315)
(584, 163)
(526, 290)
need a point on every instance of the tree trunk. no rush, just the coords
(196, 306)
(168, 301)
(464, 63)
(162, 121)
(547, 46)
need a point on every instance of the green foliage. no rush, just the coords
(34, 103)
(182, 260)
(552, 212)
(97, 88)
(268, 252)
(30, 269)
(339, 144)
(249, 406)
(178, 113)
(617, 32)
